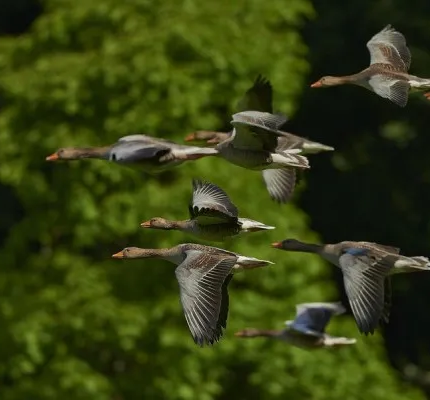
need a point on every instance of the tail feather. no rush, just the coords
(423, 261)
(315, 147)
(408, 264)
(249, 225)
(251, 262)
(330, 341)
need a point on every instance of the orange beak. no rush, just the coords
(52, 157)
(190, 137)
(277, 245)
(316, 84)
(120, 254)
(146, 224)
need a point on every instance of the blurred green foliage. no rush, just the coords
(78, 325)
(377, 187)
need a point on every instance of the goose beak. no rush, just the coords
(190, 137)
(120, 254)
(146, 224)
(317, 84)
(277, 245)
(52, 157)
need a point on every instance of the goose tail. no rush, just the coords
(315, 147)
(249, 225)
(331, 341)
(409, 264)
(243, 262)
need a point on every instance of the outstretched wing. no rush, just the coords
(137, 151)
(210, 204)
(255, 130)
(201, 280)
(312, 318)
(390, 88)
(389, 47)
(280, 183)
(259, 97)
(145, 138)
(363, 276)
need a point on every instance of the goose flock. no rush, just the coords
(256, 141)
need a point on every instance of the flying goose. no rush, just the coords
(203, 274)
(366, 268)
(212, 216)
(387, 74)
(253, 145)
(307, 330)
(153, 154)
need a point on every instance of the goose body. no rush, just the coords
(307, 330)
(212, 216)
(253, 145)
(153, 154)
(259, 97)
(288, 140)
(203, 274)
(387, 75)
(257, 143)
(366, 268)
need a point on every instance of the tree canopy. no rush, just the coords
(77, 324)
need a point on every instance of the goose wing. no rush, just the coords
(312, 318)
(258, 97)
(255, 130)
(280, 183)
(364, 273)
(137, 151)
(389, 47)
(201, 277)
(211, 205)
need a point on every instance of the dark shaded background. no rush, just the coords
(374, 188)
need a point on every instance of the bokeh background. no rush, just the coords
(76, 324)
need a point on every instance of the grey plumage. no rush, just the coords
(152, 154)
(203, 274)
(201, 278)
(389, 47)
(155, 153)
(307, 330)
(280, 183)
(253, 145)
(366, 268)
(212, 216)
(387, 74)
(312, 318)
(364, 285)
(258, 97)
(211, 201)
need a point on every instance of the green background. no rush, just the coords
(76, 324)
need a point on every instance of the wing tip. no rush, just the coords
(203, 340)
